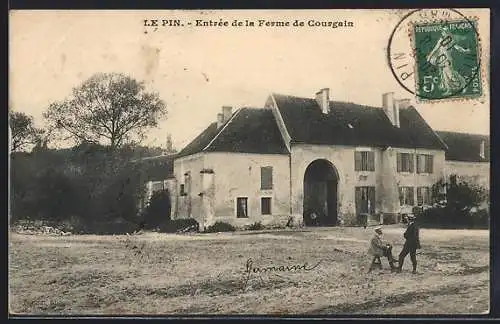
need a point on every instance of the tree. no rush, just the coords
(23, 131)
(108, 107)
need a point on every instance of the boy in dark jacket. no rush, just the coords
(411, 245)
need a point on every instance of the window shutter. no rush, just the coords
(399, 162)
(357, 161)
(420, 198)
(430, 164)
(371, 161)
(265, 203)
(371, 197)
(411, 162)
(419, 163)
(357, 199)
(411, 198)
(266, 178)
(401, 196)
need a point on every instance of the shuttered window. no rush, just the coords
(423, 196)
(365, 200)
(405, 162)
(265, 205)
(425, 163)
(364, 161)
(266, 178)
(406, 196)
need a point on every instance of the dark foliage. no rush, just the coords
(446, 217)
(255, 226)
(180, 225)
(159, 209)
(23, 131)
(220, 227)
(460, 207)
(90, 185)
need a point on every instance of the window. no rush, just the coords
(364, 161)
(423, 196)
(242, 207)
(425, 163)
(182, 190)
(365, 200)
(405, 162)
(157, 186)
(265, 206)
(266, 178)
(406, 196)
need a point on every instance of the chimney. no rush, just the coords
(220, 119)
(323, 100)
(227, 111)
(389, 107)
(397, 106)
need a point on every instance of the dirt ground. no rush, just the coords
(174, 274)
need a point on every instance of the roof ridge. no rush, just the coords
(331, 101)
(223, 128)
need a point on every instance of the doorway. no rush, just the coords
(320, 194)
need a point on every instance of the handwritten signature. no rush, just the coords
(250, 268)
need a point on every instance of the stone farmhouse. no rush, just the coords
(298, 156)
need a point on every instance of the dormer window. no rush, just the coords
(481, 150)
(350, 126)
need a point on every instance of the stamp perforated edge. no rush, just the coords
(482, 71)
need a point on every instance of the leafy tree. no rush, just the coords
(108, 107)
(23, 131)
(462, 196)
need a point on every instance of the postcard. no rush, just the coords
(249, 162)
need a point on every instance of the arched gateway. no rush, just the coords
(320, 194)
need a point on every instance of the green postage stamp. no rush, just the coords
(447, 58)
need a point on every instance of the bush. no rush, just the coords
(481, 218)
(220, 227)
(255, 226)
(159, 209)
(448, 217)
(180, 225)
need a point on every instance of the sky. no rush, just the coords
(197, 70)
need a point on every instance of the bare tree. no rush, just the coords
(108, 107)
(23, 131)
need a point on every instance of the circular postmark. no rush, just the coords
(435, 54)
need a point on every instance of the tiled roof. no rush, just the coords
(252, 130)
(465, 147)
(353, 124)
(201, 141)
(249, 130)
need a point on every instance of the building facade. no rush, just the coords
(312, 161)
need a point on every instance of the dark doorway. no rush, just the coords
(320, 194)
